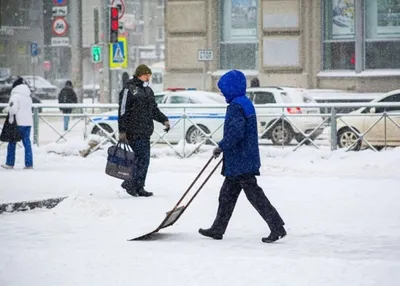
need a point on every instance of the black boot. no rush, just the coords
(143, 193)
(210, 233)
(132, 192)
(129, 189)
(275, 235)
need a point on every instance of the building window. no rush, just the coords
(15, 13)
(362, 36)
(239, 41)
(382, 34)
(338, 35)
(160, 3)
(160, 33)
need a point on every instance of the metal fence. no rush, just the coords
(374, 125)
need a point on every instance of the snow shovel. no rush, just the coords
(173, 215)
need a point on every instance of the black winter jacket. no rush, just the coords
(137, 110)
(67, 95)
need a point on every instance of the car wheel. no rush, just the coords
(379, 148)
(97, 131)
(346, 138)
(279, 134)
(300, 137)
(194, 135)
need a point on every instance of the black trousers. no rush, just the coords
(141, 147)
(229, 194)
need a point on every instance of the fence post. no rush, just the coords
(385, 122)
(283, 127)
(333, 129)
(36, 126)
(184, 132)
(85, 136)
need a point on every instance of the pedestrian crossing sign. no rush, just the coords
(118, 54)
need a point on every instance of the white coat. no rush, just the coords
(20, 105)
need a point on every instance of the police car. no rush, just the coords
(199, 120)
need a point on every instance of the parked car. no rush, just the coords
(341, 96)
(43, 88)
(346, 137)
(91, 90)
(270, 117)
(5, 93)
(208, 119)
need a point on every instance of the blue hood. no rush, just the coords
(232, 85)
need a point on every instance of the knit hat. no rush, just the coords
(68, 83)
(142, 70)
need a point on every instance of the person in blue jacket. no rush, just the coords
(241, 161)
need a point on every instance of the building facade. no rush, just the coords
(346, 44)
(21, 23)
(25, 21)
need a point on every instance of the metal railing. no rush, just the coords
(279, 123)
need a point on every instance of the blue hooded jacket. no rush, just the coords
(240, 142)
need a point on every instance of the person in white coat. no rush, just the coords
(20, 105)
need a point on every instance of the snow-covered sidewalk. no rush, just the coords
(341, 211)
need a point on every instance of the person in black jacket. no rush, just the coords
(125, 78)
(136, 112)
(67, 95)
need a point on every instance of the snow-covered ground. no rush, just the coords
(341, 210)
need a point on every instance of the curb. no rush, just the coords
(30, 205)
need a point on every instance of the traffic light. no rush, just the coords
(96, 54)
(114, 25)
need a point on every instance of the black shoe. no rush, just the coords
(275, 235)
(132, 192)
(143, 193)
(210, 233)
(125, 185)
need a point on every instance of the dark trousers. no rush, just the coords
(229, 194)
(26, 141)
(141, 147)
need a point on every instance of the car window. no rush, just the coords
(250, 95)
(392, 98)
(159, 98)
(177, 99)
(264, 98)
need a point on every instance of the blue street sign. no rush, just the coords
(34, 49)
(60, 2)
(118, 54)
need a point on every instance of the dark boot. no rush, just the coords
(143, 193)
(132, 192)
(275, 235)
(129, 189)
(210, 233)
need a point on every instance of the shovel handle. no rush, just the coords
(194, 182)
(202, 185)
